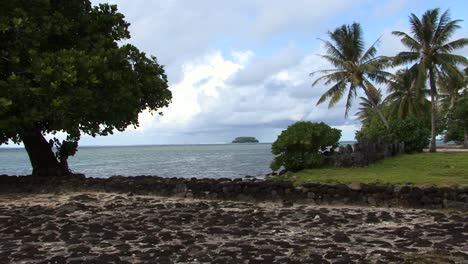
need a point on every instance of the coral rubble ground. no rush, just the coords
(120, 228)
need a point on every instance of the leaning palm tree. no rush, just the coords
(430, 47)
(406, 97)
(355, 68)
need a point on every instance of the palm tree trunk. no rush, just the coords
(433, 90)
(465, 143)
(376, 107)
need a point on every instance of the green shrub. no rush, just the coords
(372, 129)
(457, 123)
(412, 131)
(300, 146)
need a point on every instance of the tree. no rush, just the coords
(63, 67)
(301, 145)
(367, 108)
(405, 97)
(411, 130)
(355, 68)
(451, 86)
(458, 125)
(431, 48)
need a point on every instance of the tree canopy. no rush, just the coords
(64, 67)
(431, 48)
(301, 145)
(355, 68)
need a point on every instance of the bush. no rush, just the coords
(457, 125)
(412, 131)
(372, 129)
(300, 146)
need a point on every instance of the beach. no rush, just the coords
(96, 227)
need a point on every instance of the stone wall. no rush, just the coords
(363, 153)
(248, 190)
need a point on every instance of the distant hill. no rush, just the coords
(245, 140)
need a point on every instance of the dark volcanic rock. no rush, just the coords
(167, 230)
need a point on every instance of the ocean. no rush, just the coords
(201, 161)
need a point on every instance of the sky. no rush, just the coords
(241, 68)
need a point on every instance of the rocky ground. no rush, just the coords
(119, 228)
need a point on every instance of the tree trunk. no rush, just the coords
(376, 107)
(433, 91)
(465, 144)
(40, 154)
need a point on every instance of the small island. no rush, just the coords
(245, 140)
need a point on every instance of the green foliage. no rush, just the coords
(301, 145)
(413, 132)
(410, 130)
(460, 112)
(372, 128)
(431, 49)
(406, 97)
(63, 67)
(355, 68)
(457, 122)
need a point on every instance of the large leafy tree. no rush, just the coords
(406, 97)
(64, 67)
(355, 68)
(303, 144)
(431, 47)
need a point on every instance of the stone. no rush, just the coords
(66, 209)
(455, 205)
(355, 186)
(371, 200)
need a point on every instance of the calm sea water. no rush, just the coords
(210, 161)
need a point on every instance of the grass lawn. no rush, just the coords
(440, 169)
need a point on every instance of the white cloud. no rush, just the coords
(242, 67)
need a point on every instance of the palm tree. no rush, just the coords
(430, 48)
(367, 107)
(354, 68)
(451, 85)
(405, 97)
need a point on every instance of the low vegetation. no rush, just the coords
(297, 147)
(423, 169)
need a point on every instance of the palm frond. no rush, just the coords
(453, 45)
(332, 50)
(408, 41)
(371, 51)
(349, 100)
(454, 59)
(446, 32)
(331, 77)
(337, 62)
(335, 91)
(405, 57)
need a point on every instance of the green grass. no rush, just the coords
(424, 169)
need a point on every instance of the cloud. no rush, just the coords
(209, 100)
(264, 67)
(242, 67)
(176, 30)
